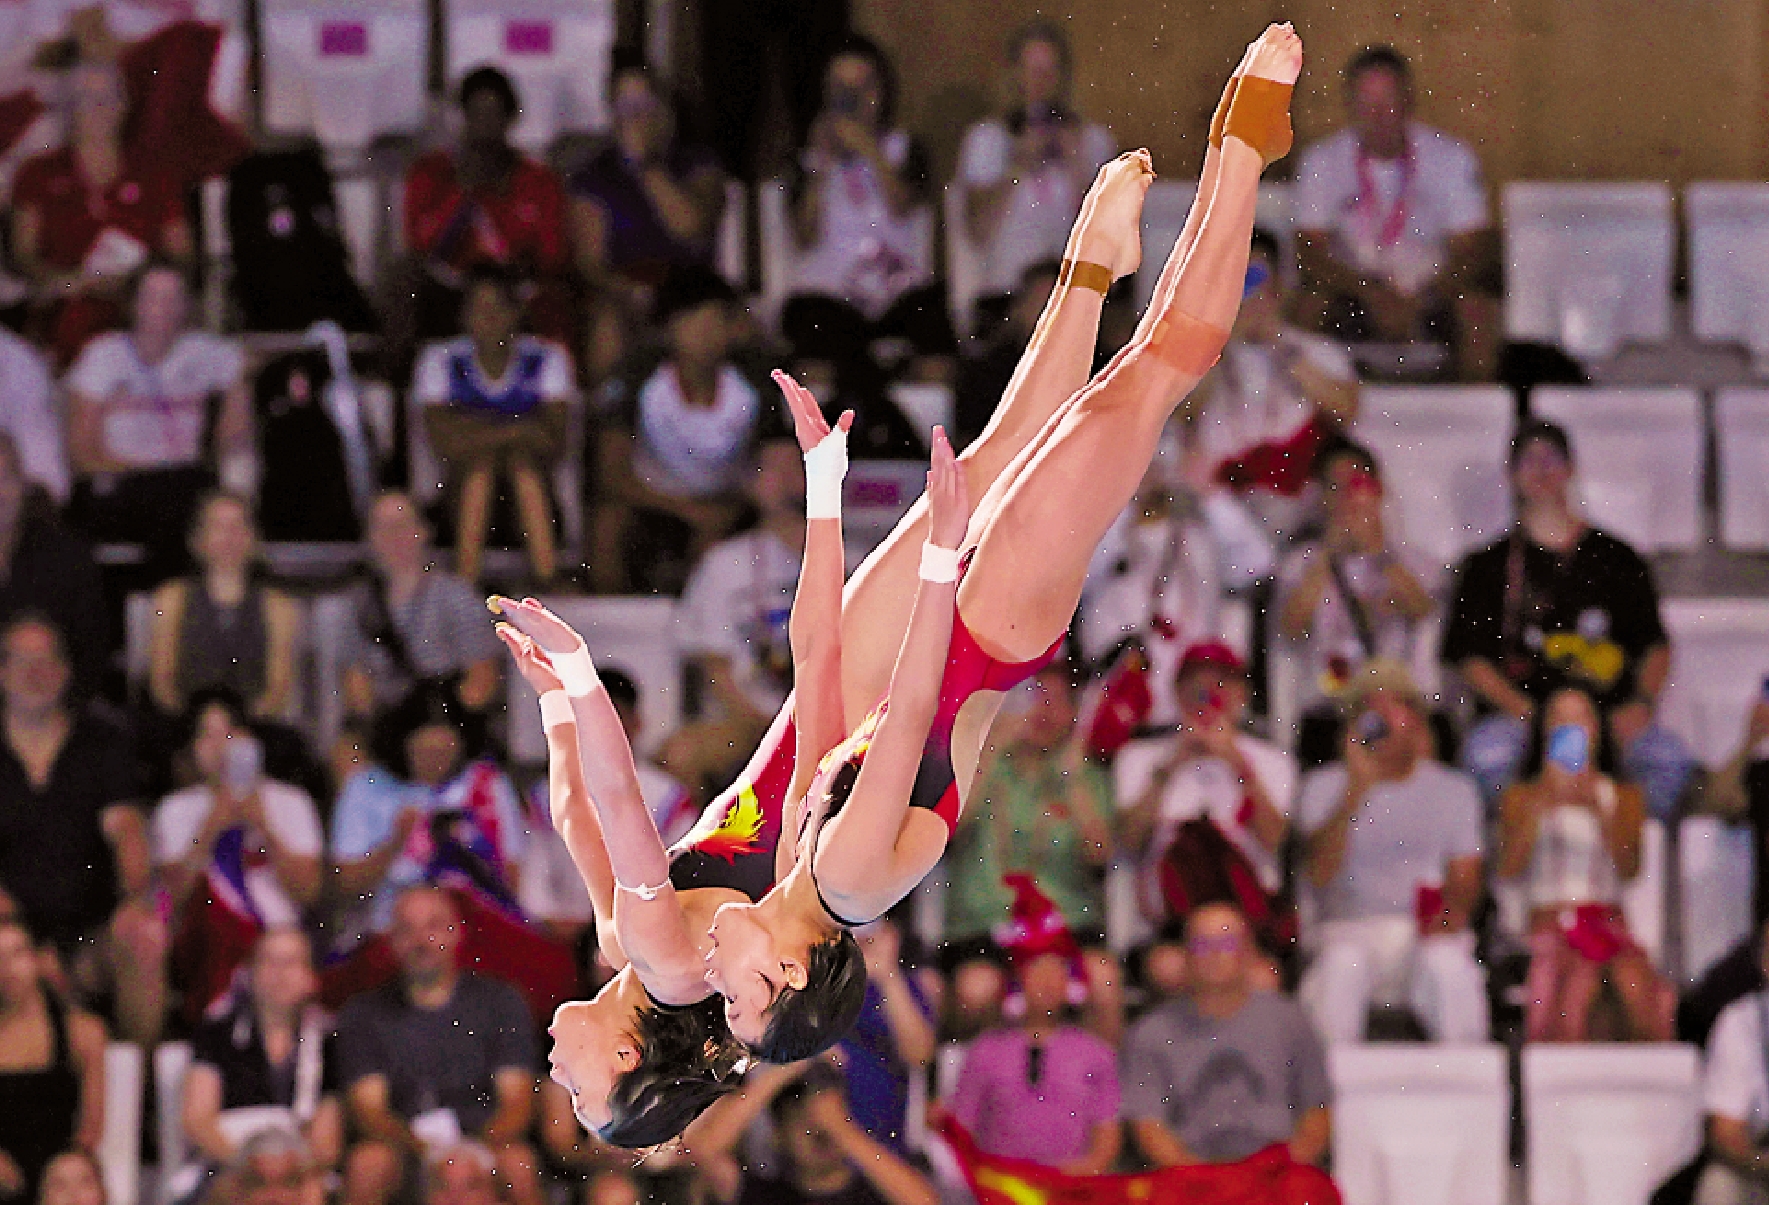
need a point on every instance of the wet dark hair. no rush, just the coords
(489, 79)
(1537, 430)
(687, 1061)
(809, 1020)
(1379, 58)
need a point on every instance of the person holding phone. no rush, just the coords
(1572, 835)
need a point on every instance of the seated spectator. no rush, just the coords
(1556, 602)
(88, 214)
(862, 226)
(1038, 808)
(275, 1167)
(239, 853)
(47, 570)
(1572, 835)
(1023, 173)
(260, 1066)
(435, 1057)
(1739, 792)
(51, 1069)
(1735, 1096)
(1160, 967)
(1207, 809)
(645, 204)
(415, 626)
(975, 998)
(681, 431)
(222, 628)
(483, 201)
(1392, 850)
(731, 626)
(825, 1156)
(73, 1178)
(891, 1041)
(28, 416)
(464, 1173)
(1392, 230)
(138, 420)
(987, 363)
(430, 804)
(74, 852)
(1278, 397)
(615, 1186)
(1222, 1071)
(495, 413)
(1344, 599)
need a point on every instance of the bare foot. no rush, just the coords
(1109, 229)
(1276, 56)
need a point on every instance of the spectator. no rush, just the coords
(1739, 792)
(1736, 1100)
(1392, 231)
(1392, 850)
(682, 429)
(429, 803)
(138, 420)
(74, 852)
(1023, 174)
(276, 1167)
(88, 214)
(1046, 1090)
(824, 1154)
(732, 625)
(1160, 967)
(735, 35)
(987, 363)
(238, 852)
(1039, 808)
(614, 1186)
(1222, 1071)
(483, 201)
(1210, 803)
(862, 225)
(1556, 602)
(1278, 397)
(1345, 598)
(47, 570)
(1572, 836)
(262, 1064)
(28, 417)
(48, 1101)
(495, 411)
(73, 1178)
(464, 1173)
(434, 1057)
(222, 627)
(415, 625)
(645, 204)
(892, 1040)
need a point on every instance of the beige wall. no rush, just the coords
(1544, 89)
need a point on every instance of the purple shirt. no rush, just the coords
(1050, 1123)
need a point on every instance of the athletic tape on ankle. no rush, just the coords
(577, 673)
(939, 565)
(556, 709)
(1187, 344)
(1259, 115)
(825, 467)
(1221, 117)
(1083, 275)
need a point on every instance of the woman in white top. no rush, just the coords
(1572, 835)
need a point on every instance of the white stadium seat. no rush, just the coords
(1606, 1123)
(556, 53)
(1163, 217)
(1643, 896)
(1728, 226)
(119, 1148)
(1588, 266)
(1420, 1125)
(1741, 430)
(171, 1062)
(1639, 459)
(1719, 662)
(346, 71)
(1443, 452)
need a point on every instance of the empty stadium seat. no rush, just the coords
(1640, 454)
(556, 52)
(1420, 1125)
(119, 1149)
(1163, 217)
(1717, 866)
(1606, 1123)
(1728, 224)
(1588, 266)
(1741, 428)
(1443, 452)
(171, 1061)
(346, 71)
(1719, 660)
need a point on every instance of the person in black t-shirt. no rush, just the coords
(1557, 603)
(825, 1157)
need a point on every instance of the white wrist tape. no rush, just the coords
(825, 467)
(939, 564)
(556, 709)
(577, 673)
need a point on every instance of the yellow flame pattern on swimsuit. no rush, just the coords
(738, 829)
(857, 743)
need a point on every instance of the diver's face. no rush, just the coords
(592, 1047)
(744, 967)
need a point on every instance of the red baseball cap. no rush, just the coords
(1212, 654)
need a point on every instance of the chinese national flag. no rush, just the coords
(1268, 1178)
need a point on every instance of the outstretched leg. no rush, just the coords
(1038, 540)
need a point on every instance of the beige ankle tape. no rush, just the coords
(1191, 346)
(1259, 115)
(1083, 275)
(1222, 106)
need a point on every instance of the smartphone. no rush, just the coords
(242, 765)
(1370, 728)
(1569, 747)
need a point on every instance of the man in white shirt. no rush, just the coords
(27, 413)
(1735, 1097)
(1392, 230)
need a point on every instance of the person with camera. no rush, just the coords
(1392, 850)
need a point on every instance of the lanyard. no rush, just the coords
(1394, 223)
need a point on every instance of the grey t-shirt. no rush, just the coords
(1225, 1088)
(441, 1059)
(1404, 834)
